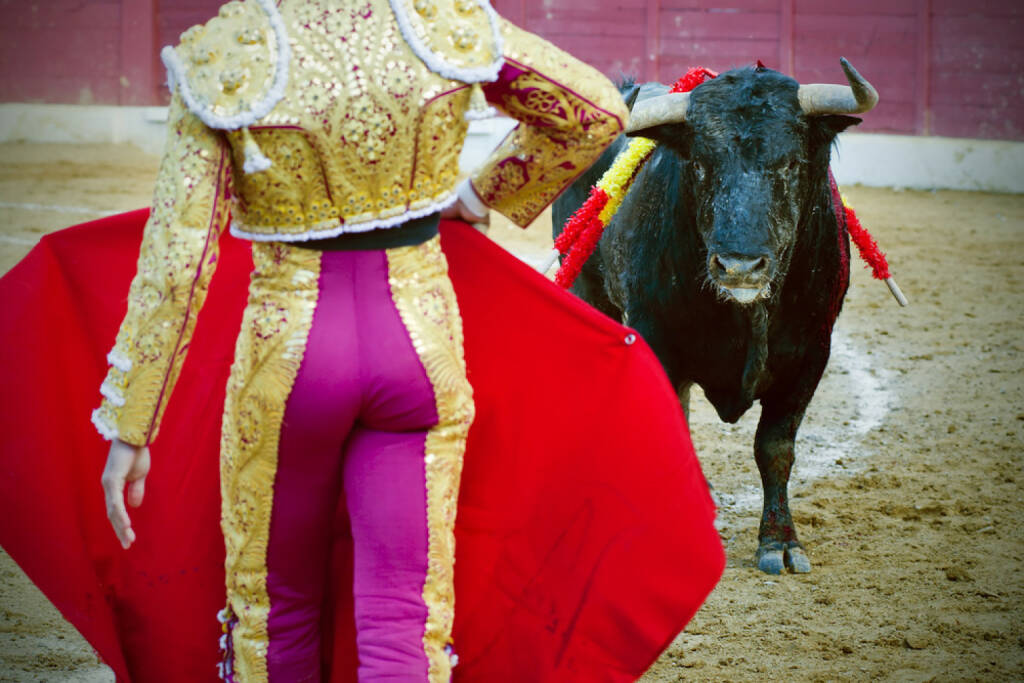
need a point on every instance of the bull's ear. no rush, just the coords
(629, 93)
(675, 136)
(828, 127)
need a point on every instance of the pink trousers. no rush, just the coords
(357, 419)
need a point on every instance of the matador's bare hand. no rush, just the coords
(460, 211)
(126, 468)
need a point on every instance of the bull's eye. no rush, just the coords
(698, 170)
(793, 165)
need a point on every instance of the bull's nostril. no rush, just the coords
(736, 266)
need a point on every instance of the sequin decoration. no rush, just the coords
(426, 303)
(564, 127)
(370, 126)
(232, 69)
(283, 294)
(456, 38)
(366, 134)
(176, 261)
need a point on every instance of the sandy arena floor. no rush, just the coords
(907, 489)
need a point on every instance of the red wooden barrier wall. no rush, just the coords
(943, 67)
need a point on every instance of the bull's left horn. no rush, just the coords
(668, 108)
(817, 99)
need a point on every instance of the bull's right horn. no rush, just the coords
(817, 99)
(668, 108)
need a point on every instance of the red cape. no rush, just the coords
(584, 536)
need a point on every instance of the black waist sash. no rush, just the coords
(415, 231)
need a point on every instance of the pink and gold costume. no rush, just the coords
(305, 123)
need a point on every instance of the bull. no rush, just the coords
(727, 257)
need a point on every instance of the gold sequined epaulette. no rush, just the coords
(458, 39)
(233, 70)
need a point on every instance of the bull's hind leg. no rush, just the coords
(778, 547)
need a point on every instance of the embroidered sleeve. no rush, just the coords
(568, 112)
(176, 262)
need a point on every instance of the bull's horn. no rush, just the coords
(668, 108)
(822, 98)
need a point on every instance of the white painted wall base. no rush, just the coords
(144, 127)
(927, 163)
(862, 158)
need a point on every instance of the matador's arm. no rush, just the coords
(176, 261)
(568, 113)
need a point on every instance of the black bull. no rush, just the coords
(727, 257)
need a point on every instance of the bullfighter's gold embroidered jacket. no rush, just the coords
(305, 119)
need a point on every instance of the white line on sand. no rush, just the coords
(55, 208)
(7, 239)
(818, 446)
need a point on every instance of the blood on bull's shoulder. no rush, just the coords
(728, 257)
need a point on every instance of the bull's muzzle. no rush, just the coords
(740, 278)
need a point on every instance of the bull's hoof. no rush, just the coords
(775, 557)
(770, 558)
(796, 560)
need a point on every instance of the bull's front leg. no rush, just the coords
(778, 546)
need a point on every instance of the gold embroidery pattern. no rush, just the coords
(425, 300)
(458, 36)
(275, 327)
(435, 174)
(565, 128)
(366, 131)
(292, 195)
(176, 261)
(230, 61)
